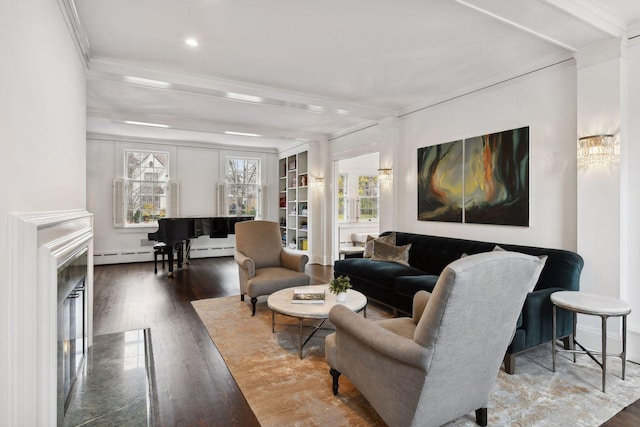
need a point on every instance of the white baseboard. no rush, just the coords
(591, 338)
(146, 255)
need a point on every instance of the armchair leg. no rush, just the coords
(510, 363)
(481, 417)
(335, 374)
(253, 306)
(242, 297)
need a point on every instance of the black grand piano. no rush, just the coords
(175, 234)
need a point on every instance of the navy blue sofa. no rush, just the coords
(395, 284)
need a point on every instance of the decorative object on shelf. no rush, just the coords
(303, 181)
(339, 286)
(595, 149)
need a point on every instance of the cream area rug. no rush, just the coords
(284, 390)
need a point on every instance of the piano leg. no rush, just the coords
(180, 247)
(170, 254)
(187, 252)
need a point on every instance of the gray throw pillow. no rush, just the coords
(385, 252)
(368, 247)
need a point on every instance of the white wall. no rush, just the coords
(42, 129)
(197, 167)
(631, 197)
(546, 102)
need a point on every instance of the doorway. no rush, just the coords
(357, 201)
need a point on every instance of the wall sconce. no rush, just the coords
(595, 149)
(385, 175)
(318, 182)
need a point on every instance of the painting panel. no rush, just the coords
(496, 183)
(440, 184)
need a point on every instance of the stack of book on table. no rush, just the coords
(308, 296)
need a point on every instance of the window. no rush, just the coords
(146, 186)
(243, 186)
(343, 194)
(369, 200)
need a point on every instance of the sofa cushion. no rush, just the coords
(385, 252)
(380, 272)
(409, 285)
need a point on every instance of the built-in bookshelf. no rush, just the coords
(294, 201)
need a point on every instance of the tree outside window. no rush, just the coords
(243, 186)
(146, 186)
(369, 197)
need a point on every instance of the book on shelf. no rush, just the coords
(308, 296)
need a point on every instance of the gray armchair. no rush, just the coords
(263, 264)
(443, 362)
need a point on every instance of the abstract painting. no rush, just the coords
(440, 182)
(481, 180)
(496, 183)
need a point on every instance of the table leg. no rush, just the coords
(624, 344)
(573, 334)
(273, 322)
(553, 339)
(604, 351)
(301, 338)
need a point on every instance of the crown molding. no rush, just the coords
(496, 81)
(222, 146)
(78, 35)
(593, 14)
(601, 52)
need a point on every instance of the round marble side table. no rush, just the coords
(595, 305)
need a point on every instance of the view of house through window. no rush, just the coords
(369, 197)
(146, 186)
(243, 186)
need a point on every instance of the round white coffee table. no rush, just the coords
(595, 305)
(280, 302)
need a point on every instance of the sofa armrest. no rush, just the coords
(534, 303)
(378, 339)
(245, 263)
(293, 261)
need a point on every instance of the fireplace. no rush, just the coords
(72, 334)
(50, 310)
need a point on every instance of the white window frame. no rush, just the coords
(256, 187)
(122, 188)
(362, 197)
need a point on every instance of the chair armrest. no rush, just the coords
(293, 261)
(377, 338)
(246, 263)
(420, 300)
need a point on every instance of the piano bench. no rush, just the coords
(160, 249)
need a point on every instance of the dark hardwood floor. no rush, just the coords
(192, 383)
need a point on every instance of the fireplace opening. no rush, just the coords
(72, 320)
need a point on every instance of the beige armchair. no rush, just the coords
(263, 264)
(443, 362)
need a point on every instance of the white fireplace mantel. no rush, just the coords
(38, 244)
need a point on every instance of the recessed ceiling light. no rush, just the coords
(147, 82)
(244, 97)
(192, 42)
(155, 125)
(316, 108)
(228, 132)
